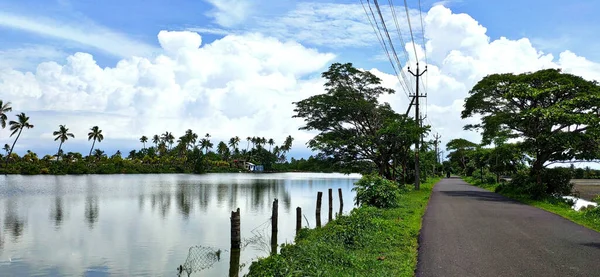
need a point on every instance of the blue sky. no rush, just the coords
(126, 73)
(552, 25)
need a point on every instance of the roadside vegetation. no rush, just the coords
(370, 241)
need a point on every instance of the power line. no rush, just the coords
(381, 40)
(423, 40)
(412, 38)
(385, 29)
(401, 38)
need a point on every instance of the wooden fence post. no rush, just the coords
(274, 227)
(274, 215)
(318, 214)
(234, 262)
(298, 219)
(341, 201)
(330, 218)
(235, 229)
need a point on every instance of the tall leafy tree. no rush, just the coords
(143, 140)
(62, 134)
(555, 114)
(4, 108)
(459, 150)
(95, 134)
(6, 148)
(17, 126)
(353, 126)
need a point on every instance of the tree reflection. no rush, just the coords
(91, 210)
(141, 201)
(184, 200)
(164, 203)
(57, 213)
(233, 195)
(222, 190)
(12, 222)
(205, 193)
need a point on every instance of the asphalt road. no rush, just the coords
(468, 231)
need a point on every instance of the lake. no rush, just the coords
(146, 225)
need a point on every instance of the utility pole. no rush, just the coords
(436, 141)
(418, 119)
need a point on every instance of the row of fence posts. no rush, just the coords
(236, 240)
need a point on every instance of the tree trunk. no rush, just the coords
(13, 145)
(93, 143)
(536, 171)
(58, 153)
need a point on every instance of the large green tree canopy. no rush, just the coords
(353, 126)
(555, 114)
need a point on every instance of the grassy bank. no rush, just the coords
(368, 242)
(589, 219)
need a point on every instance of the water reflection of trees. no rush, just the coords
(92, 211)
(258, 194)
(57, 213)
(12, 222)
(185, 200)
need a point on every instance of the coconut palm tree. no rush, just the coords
(222, 150)
(18, 126)
(233, 144)
(205, 144)
(271, 142)
(4, 108)
(143, 140)
(95, 134)
(155, 140)
(287, 144)
(6, 148)
(98, 154)
(190, 138)
(63, 135)
(168, 137)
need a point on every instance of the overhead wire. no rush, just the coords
(402, 43)
(412, 37)
(381, 40)
(423, 41)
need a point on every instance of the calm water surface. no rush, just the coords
(144, 225)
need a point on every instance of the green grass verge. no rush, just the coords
(368, 242)
(589, 219)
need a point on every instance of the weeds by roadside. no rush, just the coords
(368, 242)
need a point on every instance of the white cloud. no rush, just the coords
(87, 34)
(244, 85)
(239, 85)
(229, 13)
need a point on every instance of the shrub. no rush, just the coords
(596, 199)
(374, 190)
(557, 181)
(523, 184)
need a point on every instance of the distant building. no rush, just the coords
(254, 168)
